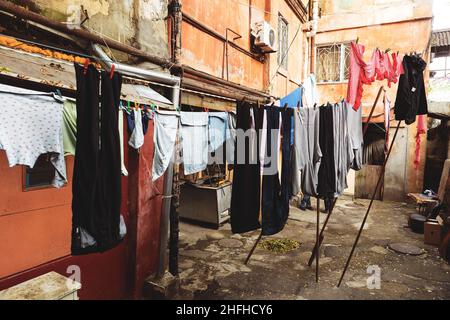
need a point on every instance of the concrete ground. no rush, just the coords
(212, 266)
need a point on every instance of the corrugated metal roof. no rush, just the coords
(440, 38)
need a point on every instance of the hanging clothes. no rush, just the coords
(421, 129)
(343, 150)
(327, 174)
(356, 141)
(166, 128)
(307, 154)
(218, 130)
(411, 97)
(31, 125)
(137, 136)
(96, 183)
(245, 197)
(69, 127)
(310, 91)
(194, 131)
(122, 150)
(275, 196)
(360, 73)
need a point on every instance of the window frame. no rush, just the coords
(283, 63)
(26, 188)
(342, 45)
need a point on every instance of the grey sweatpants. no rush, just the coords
(307, 153)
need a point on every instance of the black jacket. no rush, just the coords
(411, 97)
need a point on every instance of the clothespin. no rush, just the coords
(357, 40)
(137, 106)
(129, 106)
(113, 67)
(285, 106)
(87, 61)
(387, 50)
(206, 109)
(58, 92)
(298, 105)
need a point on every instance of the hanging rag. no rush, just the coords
(166, 128)
(194, 132)
(326, 186)
(411, 98)
(96, 186)
(69, 127)
(421, 129)
(245, 194)
(307, 153)
(122, 150)
(137, 137)
(31, 125)
(356, 141)
(342, 146)
(218, 130)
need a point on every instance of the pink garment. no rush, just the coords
(421, 129)
(360, 73)
(379, 67)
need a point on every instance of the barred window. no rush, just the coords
(283, 37)
(333, 62)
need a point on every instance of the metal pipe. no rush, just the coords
(135, 71)
(380, 178)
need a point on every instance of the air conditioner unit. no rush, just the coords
(265, 37)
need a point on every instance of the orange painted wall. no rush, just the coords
(402, 26)
(35, 226)
(206, 53)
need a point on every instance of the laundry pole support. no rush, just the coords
(321, 237)
(317, 239)
(253, 249)
(380, 178)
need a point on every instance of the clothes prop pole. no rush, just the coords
(370, 205)
(253, 249)
(317, 239)
(321, 237)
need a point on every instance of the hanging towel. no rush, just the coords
(218, 130)
(31, 125)
(166, 128)
(69, 127)
(307, 154)
(137, 137)
(122, 150)
(194, 132)
(421, 129)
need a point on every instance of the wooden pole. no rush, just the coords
(380, 178)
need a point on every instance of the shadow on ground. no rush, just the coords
(212, 261)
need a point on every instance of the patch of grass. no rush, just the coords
(279, 245)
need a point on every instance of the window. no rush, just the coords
(283, 37)
(42, 174)
(333, 62)
(440, 68)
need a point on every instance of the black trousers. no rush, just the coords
(245, 196)
(275, 198)
(96, 185)
(327, 173)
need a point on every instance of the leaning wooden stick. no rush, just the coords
(370, 206)
(317, 239)
(253, 249)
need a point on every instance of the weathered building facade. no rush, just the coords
(384, 25)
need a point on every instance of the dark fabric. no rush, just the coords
(275, 199)
(327, 172)
(96, 185)
(245, 196)
(411, 98)
(130, 123)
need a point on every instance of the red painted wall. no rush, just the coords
(35, 231)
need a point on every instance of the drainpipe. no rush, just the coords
(314, 5)
(176, 16)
